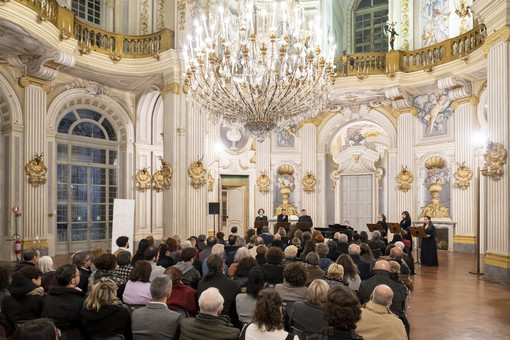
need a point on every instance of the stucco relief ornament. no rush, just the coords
(495, 158)
(210, 182)
(404, 179)
(143, 179)
(335, 176)
(263, 182)
(36, 171)
(196, 172)
(462, 176)
(309, 182)
(163, 178)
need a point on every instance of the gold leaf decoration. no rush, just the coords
(309, 182)
(462, 176)
(163, 177)
(143, 179)
(495, 158)
(335, 176)
(210, 182)
(263, 182)
(404, 179)
(36, 171)
(196, 172)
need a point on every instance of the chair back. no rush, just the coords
(299, 333)
(109, 337)
(132, 308)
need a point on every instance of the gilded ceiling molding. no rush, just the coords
(405, 25)
(173, 87)
(484, 86)
(501, 35)
(408, 110)
(26, 81)
(472, 99)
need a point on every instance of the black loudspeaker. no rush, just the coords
(214, 208)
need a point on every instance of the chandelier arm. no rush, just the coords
(290, 86)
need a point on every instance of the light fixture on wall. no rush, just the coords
(255, 66)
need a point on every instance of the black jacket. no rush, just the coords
(84, 279)
(109, 320)
(63, 306)
(363, 266)
(228, 289)
(273, 273)
(21, 265)
(25, 302)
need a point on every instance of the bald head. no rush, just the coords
(396, 253)
(354, 249)
(259, 241)
(382, 295)
(382, 265)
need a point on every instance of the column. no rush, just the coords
(309, 159)
(497, 259)
(464, 201)
(263, 163)
(35, 205)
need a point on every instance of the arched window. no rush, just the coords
(87, 179)
(370, 18)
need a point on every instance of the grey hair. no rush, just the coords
(241, 253)
(400, 244)
(312, 258)
(376, 234)
(240, 242)
(186, 244)
(343, 238)
(160, 286)
(290, 252)
(354, 249)
(382, 295)
(218, 249)
(210, 301)
(45, 264)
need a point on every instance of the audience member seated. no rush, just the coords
(389, 247)
(266, 236)
(240, 254)
(239, 244)
(273, 268)
(45, 265)
(307, 316)
(322, 251)
(363, 237)
(245, 302)
(137, 291)
(335, 276)
(124, 266)
(151, 255)
(367, 255)
(39, 329)
(243, 270)
(377, 242)
(209, 324)
(220, 236)
(217, 249)
(64, 302)
(267, 318)
(5, 280)
(381, 275)
(201, 242)
(142, 246)
(173, 247)
(283, 235)
(227, 287)
(230, 245)
(377, 321)
(106, 265)
(123, 243)
(182, 297)
(296, 242)
(26, 296)
(312, 268)
(308, 248)
(190, 276)
(250, 232)
(258, 241)
(407, 256)
(82, 261)
(30, 258)
(95, 254)
(342, 311)
(293, 287)
(165, 260)
(204, 254)
(351, 272)
(400, 278)
(363, 266)
(261, 254)
(290, 254)
(396, 254)
(333, 250)
(156, 321)
(277, 242)
(355, 238)
(102, 314)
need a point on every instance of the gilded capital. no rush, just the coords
(473, 100)
(408, 110)
(173, 87)
(26, 81)
(501, 35)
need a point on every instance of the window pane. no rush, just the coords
(113, 176)
(61, 232)
(62, 173)
(98, 212)
(79, 193)
(79, 213)
(61, 212)
(62, 195)
(109, 129)
(78, 174)
(66, 122)
(61, 152)
(113, 157)
(79, 232)
(98, 194)
(89, 114)
(89, 155)
(98, 176)
(88, 129)
(98, 231)
(113, 194)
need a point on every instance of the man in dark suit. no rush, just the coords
(268, 238)
(283, 217)
(305, 218)
(156, 321)
(363, 266)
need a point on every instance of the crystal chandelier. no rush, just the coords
(255, 67)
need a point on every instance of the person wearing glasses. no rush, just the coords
(65, 301)
(82, 261)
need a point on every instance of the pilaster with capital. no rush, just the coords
(263, 158)
(309, 158)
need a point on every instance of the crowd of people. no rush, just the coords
(298, 285)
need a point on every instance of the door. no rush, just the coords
(234, 203)
(357, 200)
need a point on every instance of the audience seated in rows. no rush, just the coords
(290, 255)
(239, 254)
(335, 276)
(243, 269)
(312, 268)
(245, 302)
(307, 316)
(182, 297)
(351, 272)
(363, 266)
(124, 266)
(137, 290)
(273, 268)
(190, 276)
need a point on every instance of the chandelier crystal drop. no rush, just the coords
(255, 67)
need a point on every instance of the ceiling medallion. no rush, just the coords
(254, 65)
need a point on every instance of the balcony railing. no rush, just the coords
(91, 38)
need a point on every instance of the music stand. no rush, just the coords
(394, 228)
(284, 225)
(418, 232)
(304, 226)
(259, 225)
(373, 227)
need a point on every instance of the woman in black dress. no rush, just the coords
(405, 224)
(381, 219)
(261, 216)
(428, 244)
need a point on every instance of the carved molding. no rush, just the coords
(196, 172)
(459, 87)
(181, 16)
(379, 173)
(210, 182)
(400, 99)
(46, 66)
(26, 81)
(463, 176)
(173, 87)
(36, 171)
(143, 180)
(161, 15)
(309, 182)
(473, 100)
(263, 182)
(501, 35)
(405, 25)
(410, 110)
(495, 158)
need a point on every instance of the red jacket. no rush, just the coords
(183, 297)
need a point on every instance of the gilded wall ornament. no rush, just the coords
(263, 182)
(36, 171)
(335, 176)
(163, 178)
(143, 179)
(196, 172)
(495, 158)
(462, 176)
(404, 179)
(210, 182)
(309, 182)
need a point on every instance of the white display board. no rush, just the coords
(123, 220)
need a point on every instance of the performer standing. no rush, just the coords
(405, 224)
(428, 244)
(381, 219)
(305, 218)
(261, 216)
(283, 217)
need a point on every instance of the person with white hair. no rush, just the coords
(209, 323)
(407, 256)
(363, 266)
(217, 249)
(377, 321)
(45, 265)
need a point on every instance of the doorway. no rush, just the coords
(234, 203)
(357, 201)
